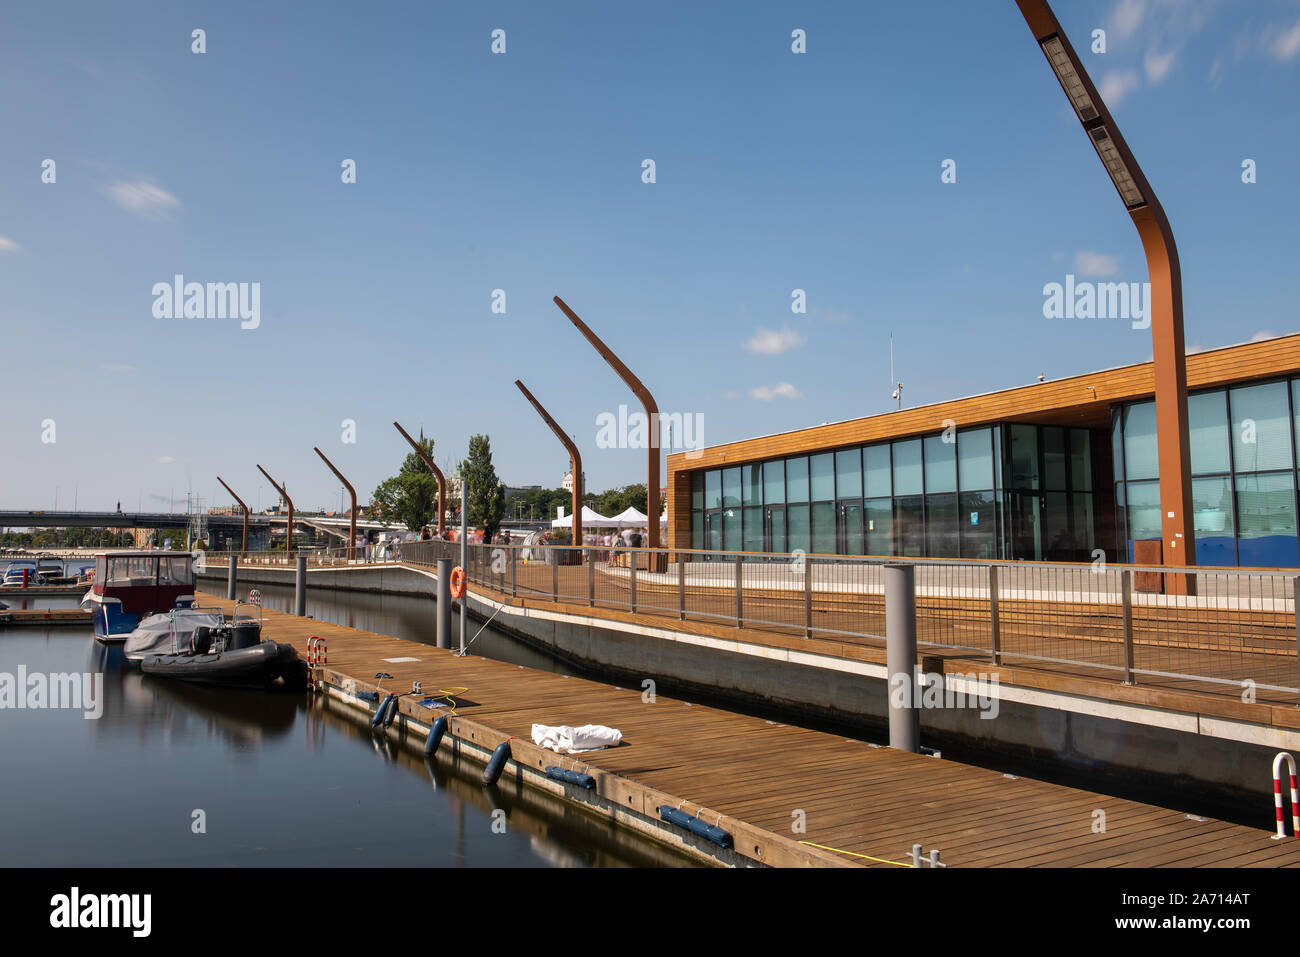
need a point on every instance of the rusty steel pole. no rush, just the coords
(288, 531)
(1166, 300)
(352, 513)
(575, 461)
(651, 411)
(437, 472)
(243, 542)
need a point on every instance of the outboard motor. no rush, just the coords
(245, 635)
(201, 640)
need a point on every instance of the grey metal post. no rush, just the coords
(230, 578)
(740, 594)
(300, 587)
(464, 554)
(1295, 608)
(443, 610)
(1125, 585)
(900, 656)
(555, 573)
(681, 586)
(807, 597)
(995, 628)
(514, 561)
(631, 580)
(591, 578)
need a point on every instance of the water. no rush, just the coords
(281, 779)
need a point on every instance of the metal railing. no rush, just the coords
(1226, 627)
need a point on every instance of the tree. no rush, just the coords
(410, 496)
(487, 496)
(616, 500)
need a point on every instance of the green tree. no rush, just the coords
(616, 500)
(487, 496)
(410, 496)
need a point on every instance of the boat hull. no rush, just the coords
(258, 666)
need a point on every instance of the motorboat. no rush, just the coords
(130, 586)
(189, 644)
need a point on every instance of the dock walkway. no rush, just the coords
(760, 780)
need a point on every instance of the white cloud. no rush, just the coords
(769, 342)
(7, 244)
(1095, 264)
(165, 459)
(782, 390)
(1261, 336)
(1287, 43)
(1127, 17)
(1116, 85)
(1158, 65)
(144, 199)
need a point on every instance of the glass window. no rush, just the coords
(876, 469)
(697, 490)
(851, 541)
(776, 529)
(1054, 458)
(909, 525)
(1023, 457)
(774, 483)
(822, 468)
(878, 518)
(713, 530)
(175, 571)
(797, 531)
(997, 455)
(907, 467)
(1266, 516)
(1085, 536)
(731, 540)
(753, 530)
(1061, 546)
(823, 528)
(977, 517)
(1117, 443)
(1261, 428)
(1140, 442)
(119, 571)
(713, 489)
(1081, 460)
(975, 459)
(1143, 512)
(697, 529)
(848, 473)
(1216, 542)
(1207, 431)
(751, 489)
(796, 480)
(940, 464)
(941, 532)
(730, 487)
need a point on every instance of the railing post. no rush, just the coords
(1125, 585)
(514, 561)
(591, 578)
(740, 594)
(555, 574)
(300, 587)
(807, 597)
(995, 628)
(900, 656)
(681, 586)
(631, 572)
(230, 578)
(1295, 609)
(443, 610)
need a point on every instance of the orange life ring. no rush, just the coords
(457, 582)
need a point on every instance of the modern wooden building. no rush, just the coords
(1050, 471)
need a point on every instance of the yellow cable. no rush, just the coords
(854, 854)
(450, 695)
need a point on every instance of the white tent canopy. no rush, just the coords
(590, 519)
(631, 518)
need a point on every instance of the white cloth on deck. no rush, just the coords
(589, 737)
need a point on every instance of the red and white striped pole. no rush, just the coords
(1277, 796)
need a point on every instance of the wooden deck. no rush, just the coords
(756, 779)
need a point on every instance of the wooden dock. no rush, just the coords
(17, 617)
(864, 805)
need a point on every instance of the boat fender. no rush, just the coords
(378, 716)
(696, 826)
(370, 696)
(393, 701)
(497, 763)
(571, 777)
(435, 736)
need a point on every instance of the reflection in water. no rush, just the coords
(281, 778)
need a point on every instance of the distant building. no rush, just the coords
(567, 484)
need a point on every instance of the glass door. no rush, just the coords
(774, 528)
(848, 533)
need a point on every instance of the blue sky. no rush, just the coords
(523, 172)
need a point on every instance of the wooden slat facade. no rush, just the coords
(1082, 400)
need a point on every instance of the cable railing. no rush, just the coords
(1226, 628)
